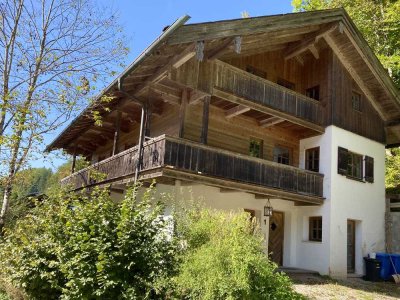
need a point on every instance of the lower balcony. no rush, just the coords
(168, 157)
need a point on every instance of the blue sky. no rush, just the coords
(144, 20)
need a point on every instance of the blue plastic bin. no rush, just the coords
(396, 262)
(386, 266)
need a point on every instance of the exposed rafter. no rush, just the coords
(308, 44)
(270, 122)
(235, 111)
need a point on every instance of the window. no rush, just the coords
(256, 147)
(312, 159)
(351, 165)
(313, 92)
(356, 101)
(355, 165)
(282, 155)
(286, 84)
(256, 71)
(369, 169)
(315, 229)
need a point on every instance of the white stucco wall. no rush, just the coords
(346, 199)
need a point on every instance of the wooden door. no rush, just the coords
(276, 235)
(351, 247)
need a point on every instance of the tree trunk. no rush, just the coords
(4, 208)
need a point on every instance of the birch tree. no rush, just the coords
(53, 55)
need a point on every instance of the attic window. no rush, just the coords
(356, 101)
(287, 84)
(313, 92)
(255, 71)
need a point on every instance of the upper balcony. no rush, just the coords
(170, 157)
(225, 81)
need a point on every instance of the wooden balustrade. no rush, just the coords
(233, 80)
(191, 157)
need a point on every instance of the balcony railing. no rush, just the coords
(166, 152)
(233, 80)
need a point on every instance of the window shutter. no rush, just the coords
(342, 161)
(369, 169)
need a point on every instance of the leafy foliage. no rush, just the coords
(392, 176)
(89, 247)
(224, 259)
(378, 21)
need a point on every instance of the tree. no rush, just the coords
(378, 21)
(54, 54)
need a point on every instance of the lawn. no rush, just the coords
(317, 287)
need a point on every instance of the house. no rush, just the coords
(288, 111)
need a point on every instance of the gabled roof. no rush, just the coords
(257, 33)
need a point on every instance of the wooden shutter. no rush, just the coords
(369, 169)
(342, 161)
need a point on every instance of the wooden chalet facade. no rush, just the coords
(229, 104)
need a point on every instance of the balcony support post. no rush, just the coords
(140, 143)
(117, 133)
(182, 112)
(204, 127)
(73, 161)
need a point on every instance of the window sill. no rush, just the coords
(312, 242)
(355, 178)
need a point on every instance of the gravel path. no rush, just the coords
(319, 287)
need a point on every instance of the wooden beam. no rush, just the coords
(178, 60)
(73, 161)
(167, 93)
(204, 127)
(226, 190)
(182, 113)
(196, 96)
(270, 122)
(249, 188)
(235, 111)
(346, 63)
(308, 43)
(214, 53)
(267, 110)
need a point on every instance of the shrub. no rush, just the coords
(224, 259)
(79, 246)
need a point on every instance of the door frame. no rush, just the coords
(353, 254)
(283, 235)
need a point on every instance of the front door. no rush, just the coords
(351, 247)
(275, 239)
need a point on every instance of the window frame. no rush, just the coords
(313, 90)
(351, 165)
(286, 83)
(260, 143)
(313, 159)
(315, 220)
(276, 157)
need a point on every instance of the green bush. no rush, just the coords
(224, 259)
(79, 246)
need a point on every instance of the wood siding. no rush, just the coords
(234, 134)
(183, 155)
(366, 123)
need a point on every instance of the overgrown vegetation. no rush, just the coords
(80, 246)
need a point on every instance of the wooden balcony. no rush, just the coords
(170, 157)
(231, 82)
